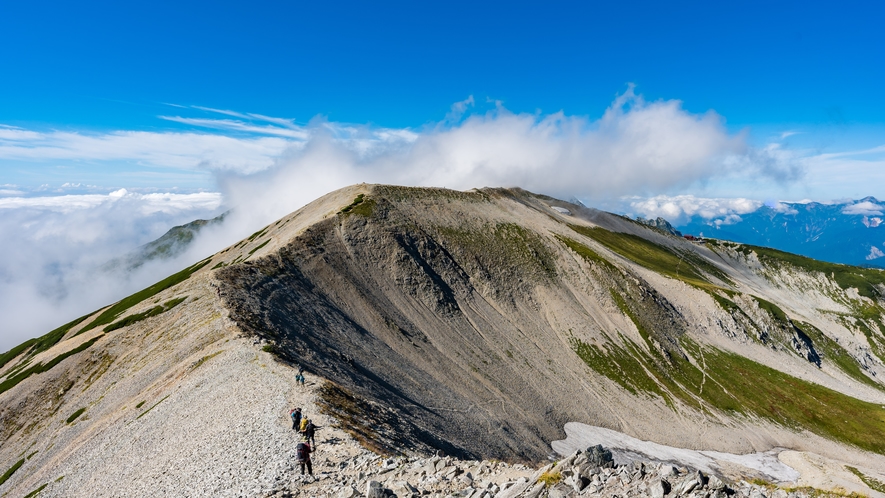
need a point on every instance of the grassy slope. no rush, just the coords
(34, 346)
(710, 379)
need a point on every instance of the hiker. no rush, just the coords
(309, 432)
(302, 456)
(299, 379)
(296, 418)
(303, 425)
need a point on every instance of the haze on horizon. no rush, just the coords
(121, 122)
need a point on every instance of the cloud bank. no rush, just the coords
(54, 247)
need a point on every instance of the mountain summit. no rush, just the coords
(473, 323)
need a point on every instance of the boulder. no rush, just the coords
(598, 456)
(374, 490)
(348, 492)
(715, 483)
(560, 491)
(659, 488)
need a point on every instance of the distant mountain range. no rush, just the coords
(850, 233)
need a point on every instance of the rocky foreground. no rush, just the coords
(589, 473)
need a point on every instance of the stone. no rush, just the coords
(757, 493)
(688, 485)
(559, 491)
(374, 490)
(348, 492)
(580, 483)
(659, 488)
(598, 456)
(715, 483)
(668, 470)
(536, 490)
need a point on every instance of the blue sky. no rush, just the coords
(112, 65)
(121, 119)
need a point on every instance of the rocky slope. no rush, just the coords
(477, 324)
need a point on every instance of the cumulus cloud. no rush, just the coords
(636, 146)
(679, 209)
(865, 208)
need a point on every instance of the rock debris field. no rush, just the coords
(584, 473)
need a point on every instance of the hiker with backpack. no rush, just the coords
(302, 457)
(296, 418)
(309, 432)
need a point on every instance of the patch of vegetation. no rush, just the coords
(867, 281)
(139, 405)
(874, 484)
(11, 470)
(726, 304)
(259, 247)
(774, 310)
(32, 454)
(585, 252)
(620, 365)
(203, 360)
(550, 477)
(13, 381)
(269, 348)
(75, 415)
(110, 314)
(713, 379)
(137, 317)
(821, 493)
(151, 408)
(505, 248)
(365, 208)
(14, 352)
(356, 202)
(42, 343)
(34, 493)
(655, 257)
(258, 234)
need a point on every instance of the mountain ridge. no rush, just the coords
(478, 323)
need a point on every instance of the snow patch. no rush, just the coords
(580, 436)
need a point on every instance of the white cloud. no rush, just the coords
(875, 253)
(678, 209)
(53, 249)
(865, 208)
(185, 150)
(635, 146)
